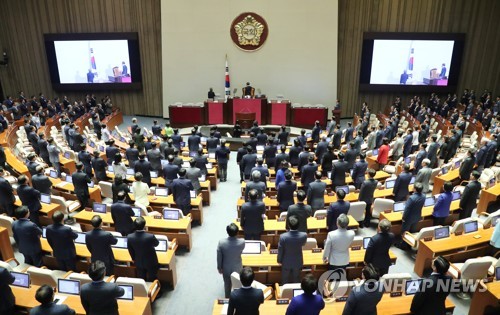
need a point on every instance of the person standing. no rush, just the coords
(80, 182)
(7, 197)
(469, 196)
(383, 154)
(301, 211)
(61, 240)
(141, 246)
(30, 198)
(122, 213)
(424, 175)
(363, 299)
(307, 303)
(40, 181)
(8, 303)
(27, 236)
(412, 212)
(337, 244)
(229, 256)
(316, 193)
(99, 244)
(181, 188)
(359, 170)
(467, 165)
(442, 206)
(193, 174)
(45, 296)
(366, 194)
(290, 252)
(252, 216)
(339, 169)
(336, 209)
(245, 300)
(257, 185)
(144, 167)
(222, 155)
(377, 252)
(285, 192)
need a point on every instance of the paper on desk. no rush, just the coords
(223, 311)
(59, 298)
(61, 184)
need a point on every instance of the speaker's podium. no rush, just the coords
(245, 108)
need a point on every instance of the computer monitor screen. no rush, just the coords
(110, 168)
(130, 172)
(457, 195)
(308, 135)
(457, 164)
(53, 174)
(252, 248)
(366, 241)
(137, 211)
(375, 152)
(470, 227)
(192, 154)
(171, 214)
(412, 180)
(329, 174)
(69, 179)
(101, 148)
(412, 286)
(407, 160)
(67, 155)
(67, 286)
(209, 166)
(399, 206)
(444, 170)
(492, 181)
(129, 292)
(442, 232)
(186, 164)
(154, 174)
(92, 144)
(389, 184)
(344, 188)
(44, 232)
(203, 139)
(45, 198)
(183, 144)
(99, 207)
(80, 239)
(203, 178)
(162, 246)
(160, 191)
(21, 279)
(429, 201)
(122, 242)
(260, 148)
(91, 184)
(192, 194)
(122, 139)
(497, 273)
(297, 292)
(211, 155)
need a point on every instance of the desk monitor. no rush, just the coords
(99, 207)
(80, 239)
(399, 206)
(110, 168)
(203, 139)
(390, 183)
(45, 198)
(171, 214)
(308, 135)
(210, 166)
(211, 155)
(192, 194)
(442, 232)
(91, 184)
(252, 248)
(259, 148)
(154, 174)
(162, 246)
(457, 195)
(122, 242)
(193, 154)
(21, 279)
(375, 152)
(129, 292)
(67, 286)
(44, 232)
(53, 174)
(351, 171)
(413, 179)
(69, 178)
(497, 273)
(366, 241)
(101, 148)
(92, 144)
(137, 211)
(161, 192)
(492, 182)
(183, 144)
(203, 178)
(412, 286)
(67, 155)
(495, 220)
(329, 174)
(186, 164)
(407, 160)
(470, 227)
(122, 139)
(297, 292)
(130, 172)
(444, 170)
(457, 164)
(429, 201)
(344, 188)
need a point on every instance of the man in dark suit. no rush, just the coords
(246, 300)
(282, 156)
(283, 136)
(339, 169)
(469, 196)
(170, 171)
(3, 158)
(363, 299)
(40, 181)
(350, 155)
(366, 193)
(27, 236)
(8, 299)
(99, 166)
(255, 184)
(78, 140)
(42, 144)
(222, 155)
(294, 153)
(132, 154)
(30, 198)
(421, 155)
(122, 215)
(336, 209)
(144, 167)
(248, 162)
(285, 191)
(194, 141)
(141, 246)
(377, 252)
(252, 142)
(264, 172)
(154, 157)
(229, 256)
(33, 139)
(349, 133)
(252, 216)
(181, 188)
(61, 239)
(467, 165)
(307, 173)
(359, 170)
(212, 142)
(432, 151)
(300, 211)
(99, 297)
(408, 140)
(31, 163)
(201, 161)
(412, 212)
(431, 299)
(316, 193)
(7, 198)
(85, 157)
(337, 137)
(327, 160)
(304, 157)
(45, 295)
(111, 151)
(99, 244)
(80, 182)
(321, 148)
(290, 252)
(400, 190)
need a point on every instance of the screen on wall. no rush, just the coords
(410, 61)
(94, 61)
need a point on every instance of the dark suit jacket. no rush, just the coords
(350, 157)
(469, 196)
(413, 208)
(259, 186)
(466, 168)
(141, 246)
(316, 195)
(321, 149)
(180, 189)
(170, 172)
(431, 301)
(194, 142)
(290, 249)
(279, 158)
(247, 163)
(32, 167)
(80, 181)
(285, 194)
(110, 154)
(245, 301)
(144, 167)
(60, 238)
(358, 173)
(99, 298)
(302, 212)
(155, 157)
(400, 190)
(251, 216)
(99, 245)
(307, 174)
(99, 166)
(377, 252)
(294, 155)
(52, 309)
(334, 211)
(367, 190)
(27, 235)
(8, 298)
(407, 144)
(132, 155)
(122, 217)
(3, 158)
(6, 193)
(86, 159)
(362, 301)
(77, 141)
(326, 161)
(339, 169)
(30, 197)
(41, 183)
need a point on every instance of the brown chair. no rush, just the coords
(245, 119)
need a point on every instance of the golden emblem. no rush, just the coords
(249, 31)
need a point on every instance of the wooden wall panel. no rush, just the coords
(478, 19)
(23, 24)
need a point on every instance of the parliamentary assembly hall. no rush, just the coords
(246, 157)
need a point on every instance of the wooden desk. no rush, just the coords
(15, 164)
(58, 184)
(46, 212)
(454, 248)
(181, 229)
(439, 181)
(6, 251)
(67, 164)
(25, 298)
(487, 196)
(480, 300)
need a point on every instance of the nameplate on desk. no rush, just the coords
(341, 299)
(477, 236)
(282, 301)
(317, 250)
(356, 248)
(387, 211)
(222, 301)
(273, 251)
(489, 279)
(265, 269)
(458, 233)
(320, 217)
(396, 294)
(281, 219)
(428, 239)
(238, 219)
(157, 216)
